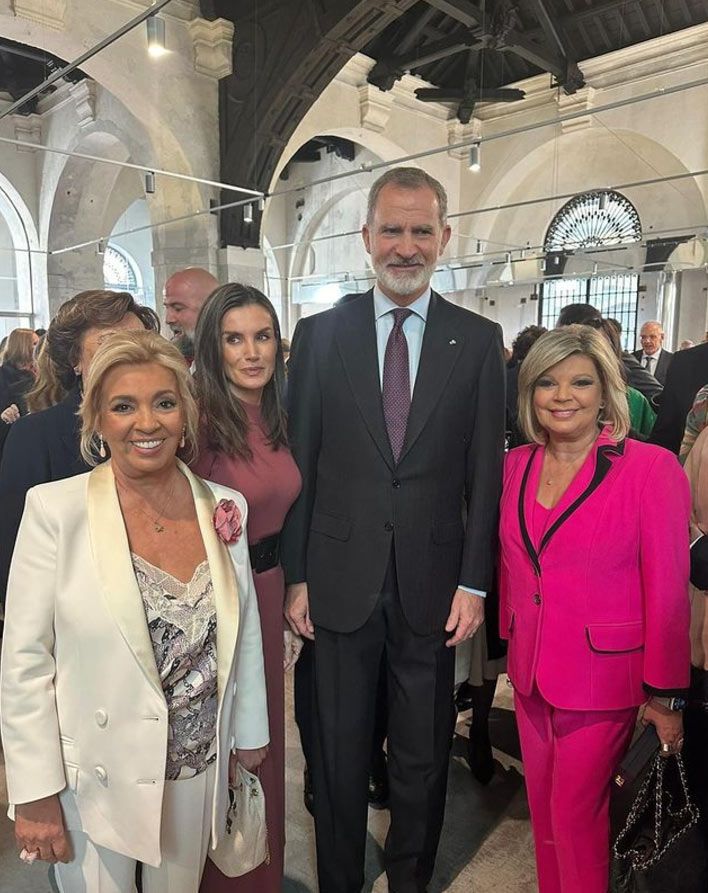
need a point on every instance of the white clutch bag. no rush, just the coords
(244, 846)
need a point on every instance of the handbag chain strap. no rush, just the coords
(639, 860)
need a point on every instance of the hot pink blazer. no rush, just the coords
(600, 606)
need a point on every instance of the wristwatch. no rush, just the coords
(671, 703)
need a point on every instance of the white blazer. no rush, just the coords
(81, 705)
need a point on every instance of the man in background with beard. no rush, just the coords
(184, 296)
(396, 412)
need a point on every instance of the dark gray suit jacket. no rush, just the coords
(438, 505)
(688, 373)
(661, 367)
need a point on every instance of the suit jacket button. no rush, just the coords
(101, 774)
(101, 718)
(396, 484)
(537, 599)
(388, 526)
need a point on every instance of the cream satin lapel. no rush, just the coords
(111, 552)
(223, 578)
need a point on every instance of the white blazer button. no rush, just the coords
(101, 774)
(101, 718)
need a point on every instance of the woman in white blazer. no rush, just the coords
(132, 669)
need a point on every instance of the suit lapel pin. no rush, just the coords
(452, 341)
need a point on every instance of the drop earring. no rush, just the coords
(182, 440)
(101, 447)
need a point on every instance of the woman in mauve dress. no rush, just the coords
(239, 376)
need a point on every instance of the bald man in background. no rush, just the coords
(184, 296)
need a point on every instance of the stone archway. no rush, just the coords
(30, 260)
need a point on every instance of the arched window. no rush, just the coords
(120, 272)
(598, 219)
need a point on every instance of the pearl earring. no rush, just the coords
(182, 440)
(101, 447)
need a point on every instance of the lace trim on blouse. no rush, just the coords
(181, 619)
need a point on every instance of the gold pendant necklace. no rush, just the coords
(156, 522)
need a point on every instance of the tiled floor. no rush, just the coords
(486, 843)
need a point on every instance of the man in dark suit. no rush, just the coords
(397, 425)
(653, 357)
(687, 374)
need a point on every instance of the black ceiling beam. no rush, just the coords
(688, 19)
(390, 68)
(571, 79)
(484, 94)
(461, 10)
(576, 19)
(642, 18)
(408, 41)
(552, 29)
(537, 55)
(25, 52)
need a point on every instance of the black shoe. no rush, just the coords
(480, 758)
(378, 783)
(308, 798)
(463, 698)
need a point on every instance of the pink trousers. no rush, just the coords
(569, 757)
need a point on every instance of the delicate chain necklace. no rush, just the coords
(156, 522)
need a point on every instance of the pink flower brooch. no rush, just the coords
(227, 521)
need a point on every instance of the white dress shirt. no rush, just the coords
(654, 357)
(414, 329)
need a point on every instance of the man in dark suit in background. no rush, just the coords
(653, 357)
(687, 374)
(397, 425)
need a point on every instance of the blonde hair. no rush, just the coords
(135, 348)
(556, 346)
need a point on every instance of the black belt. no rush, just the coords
(265, 554)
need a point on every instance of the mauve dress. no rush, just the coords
(270, 481)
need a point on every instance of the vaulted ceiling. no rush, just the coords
(471, 51)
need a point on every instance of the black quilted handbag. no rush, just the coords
(660, 847)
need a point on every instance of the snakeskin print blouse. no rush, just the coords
(181, 619)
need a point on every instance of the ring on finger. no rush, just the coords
(27, 856)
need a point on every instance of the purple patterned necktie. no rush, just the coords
(396, 391)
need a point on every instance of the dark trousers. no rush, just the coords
(304, 697)
(420, 679)
(695, 749)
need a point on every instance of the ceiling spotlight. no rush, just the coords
(248, 213)
(479, 246)
(603, 201)
(156, 36)
(261, 204)
(101, 246)
(475, 163)
(150, 182)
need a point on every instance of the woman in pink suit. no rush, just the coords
(240, 375)
(594, 597)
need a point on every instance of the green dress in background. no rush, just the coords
(641, 415)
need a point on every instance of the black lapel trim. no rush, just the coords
(602, 467)
(533, 555)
